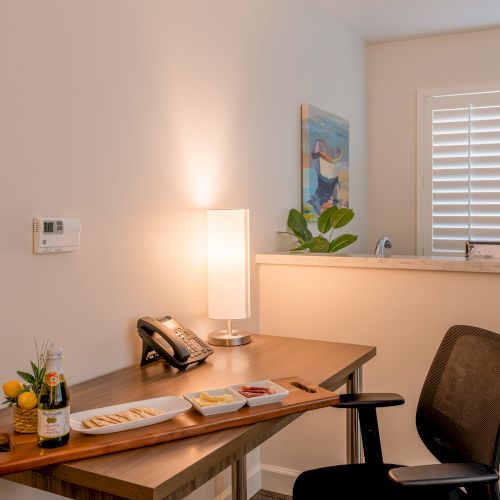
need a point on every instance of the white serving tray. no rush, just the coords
(267, 398)
(236, 404)
(172, 405)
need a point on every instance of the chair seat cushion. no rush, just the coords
(357, 482)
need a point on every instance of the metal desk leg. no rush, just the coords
(239, 479)
(353, 431)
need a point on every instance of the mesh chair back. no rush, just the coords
(458, 413)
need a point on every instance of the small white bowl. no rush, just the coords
(236, 404)
(266, 398)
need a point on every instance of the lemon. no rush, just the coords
(27, 400)
(12, 388)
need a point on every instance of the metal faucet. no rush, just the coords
(382, 244)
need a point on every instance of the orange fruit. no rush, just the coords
(27, 400)
(12, 388)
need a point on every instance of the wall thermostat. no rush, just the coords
(55, 234)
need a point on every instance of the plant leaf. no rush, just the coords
(324, 224)
(27, 377)
(296, 221)
(341, 217)
(341, 242)
(304, 239)
(37, 384)
(319, 244)
(299, 248)
(298, 224)
(35, 369)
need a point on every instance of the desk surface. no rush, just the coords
(176, 468)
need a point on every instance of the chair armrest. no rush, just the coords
(366, 404)
(367, 399)
(448, 474)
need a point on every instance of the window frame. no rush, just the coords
(424, 160)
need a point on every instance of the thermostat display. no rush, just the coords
(55, 234)
(53, 227)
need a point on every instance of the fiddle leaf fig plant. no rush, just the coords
(329, 220)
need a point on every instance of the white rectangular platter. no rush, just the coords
(171, 405)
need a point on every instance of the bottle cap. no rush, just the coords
(54, 353)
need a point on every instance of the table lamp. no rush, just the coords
(228, 273)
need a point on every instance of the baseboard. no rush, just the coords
(278, 479)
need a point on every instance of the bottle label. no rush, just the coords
(53, 423)
(52, 379)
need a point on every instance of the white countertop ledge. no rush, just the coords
(412, 262)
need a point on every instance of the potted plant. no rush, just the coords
(330, 219)
(22, 396)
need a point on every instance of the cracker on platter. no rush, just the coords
(121, 417)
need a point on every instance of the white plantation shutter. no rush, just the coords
(461, 171)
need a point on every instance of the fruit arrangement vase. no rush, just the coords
(25, 421)
(22, 396)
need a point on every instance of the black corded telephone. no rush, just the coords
(166, 338)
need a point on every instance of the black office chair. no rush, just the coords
(458, 419)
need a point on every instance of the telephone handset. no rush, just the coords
(166, 338)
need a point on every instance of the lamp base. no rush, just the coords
(229, 339)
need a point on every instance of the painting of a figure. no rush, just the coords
(325, 161)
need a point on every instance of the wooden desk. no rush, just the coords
(172, 470)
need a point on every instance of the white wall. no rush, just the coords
(395, 72)
(135, 117)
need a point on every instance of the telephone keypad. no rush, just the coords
(197, 348)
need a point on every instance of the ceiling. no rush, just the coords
(384, 20)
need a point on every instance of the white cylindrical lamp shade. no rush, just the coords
(228, 264)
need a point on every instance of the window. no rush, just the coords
(459, 170)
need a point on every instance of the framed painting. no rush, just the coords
(325, 161)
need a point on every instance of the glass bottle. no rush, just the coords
(53, 404)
